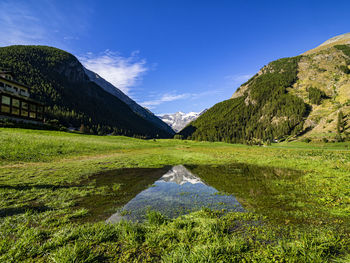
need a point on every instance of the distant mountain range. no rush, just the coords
(77, 97)
(302, 97)
(177, 121)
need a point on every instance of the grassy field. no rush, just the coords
(45, 174)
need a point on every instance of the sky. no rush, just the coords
(174, 55)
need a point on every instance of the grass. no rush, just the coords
(45, 175)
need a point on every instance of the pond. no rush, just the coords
(173, 191)
(177, 192)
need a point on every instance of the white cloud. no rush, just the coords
(18, 25)
(164, 98)
(168, 97)
(41, 22)
(122, 72)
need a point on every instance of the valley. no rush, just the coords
(45, 177)
(88, 173)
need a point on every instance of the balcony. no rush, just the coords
(14, 90)
(24, 93)
(10, 89)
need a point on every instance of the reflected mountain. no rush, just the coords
(177, 192)
(128, 193)
(180, 175)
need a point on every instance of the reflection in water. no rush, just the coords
(180, 175)
(118, 187)
(180, 189)
(176, 192)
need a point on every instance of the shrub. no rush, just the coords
(344, 69)
(178, 136)
(339, 138)
(307, 140)
(316, 95)
(344, 48)
(340, 123)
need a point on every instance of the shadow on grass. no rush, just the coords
(21, 210)
(36, 186)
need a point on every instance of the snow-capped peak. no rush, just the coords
(180, 175)
(177, 121)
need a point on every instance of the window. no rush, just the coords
(39, 116)
(2, 84)
(5, 109)
(15, 111)
(24, 105)
(40, 109)
(5, 100)
(32, 115)
(32, 107)
(15, 103)
(24, 113)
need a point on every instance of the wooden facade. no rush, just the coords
(15, 100)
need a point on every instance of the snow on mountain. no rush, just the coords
(180, 175)
(177, 121)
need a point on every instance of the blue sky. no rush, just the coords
(174, 55)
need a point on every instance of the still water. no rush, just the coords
(129, 193)
(176, 192)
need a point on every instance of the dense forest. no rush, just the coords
(58, 79)
(265, 112)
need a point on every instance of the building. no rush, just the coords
(15, 101)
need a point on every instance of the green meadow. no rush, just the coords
(47, 176)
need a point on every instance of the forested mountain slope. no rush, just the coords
(58, 79)
(298, 97)
(146, 114)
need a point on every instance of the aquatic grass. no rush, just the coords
(155, 217)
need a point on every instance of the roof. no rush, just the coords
(4, 70)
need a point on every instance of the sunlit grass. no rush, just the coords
(43, 178)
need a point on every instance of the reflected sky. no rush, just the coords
(177, 192)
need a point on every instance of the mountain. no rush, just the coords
(144, 113)
(343, 39)
(177, 121)
(180, 175)
(302, 97)
(59, 80)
